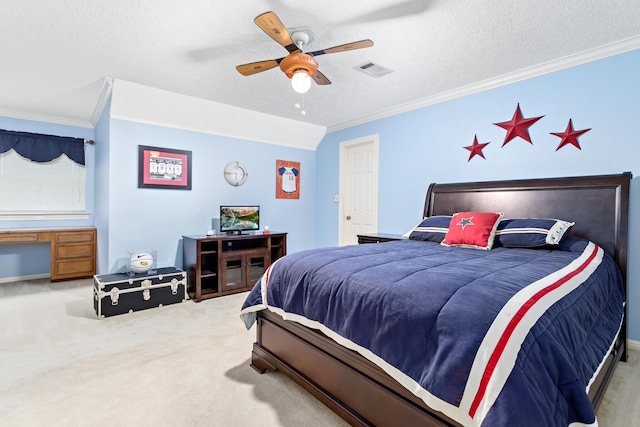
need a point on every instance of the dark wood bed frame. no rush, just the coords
(360, 392)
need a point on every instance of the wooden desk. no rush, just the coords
(73, 250)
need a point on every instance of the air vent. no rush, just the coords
(373, 70)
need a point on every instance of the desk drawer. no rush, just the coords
(77, 250)
(74, 268)
(74, 236)
(18, 237)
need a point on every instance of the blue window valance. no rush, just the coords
(42, 148)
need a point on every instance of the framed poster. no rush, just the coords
(287, 179)
(164, 168)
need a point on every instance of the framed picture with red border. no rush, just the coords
(287, 179)
(164, 168)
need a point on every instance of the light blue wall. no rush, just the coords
(426, 145)
(157, 218)
(34, 259)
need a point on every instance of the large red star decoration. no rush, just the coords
(570, 136)
(518, 126)
(476, 148)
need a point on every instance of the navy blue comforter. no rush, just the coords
(507, 337)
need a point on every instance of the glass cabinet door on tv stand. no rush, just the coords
(239, 271)
(221, 265)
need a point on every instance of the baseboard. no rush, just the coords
(633, 345)
(23, 278)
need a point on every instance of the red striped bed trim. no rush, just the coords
(504, 339)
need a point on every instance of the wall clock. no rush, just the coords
(235, 173)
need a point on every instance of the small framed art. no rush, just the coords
(164, 168)
(287, 179)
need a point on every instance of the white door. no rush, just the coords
(358, 188)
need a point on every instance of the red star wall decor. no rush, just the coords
(518, 126)
(570, 136)
(476, 149)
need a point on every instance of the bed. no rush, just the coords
(346, 379)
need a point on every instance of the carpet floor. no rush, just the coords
(185, 364)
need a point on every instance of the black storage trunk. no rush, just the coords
(120, 293)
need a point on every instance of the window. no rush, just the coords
(42, 181)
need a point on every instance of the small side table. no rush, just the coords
(378, 238)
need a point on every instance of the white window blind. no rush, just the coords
(31, 189)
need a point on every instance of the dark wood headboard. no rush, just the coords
(599, 205)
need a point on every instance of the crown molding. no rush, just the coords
(585, 57)
(45, 118)
(101, 102)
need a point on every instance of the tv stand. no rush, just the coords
(227, 264)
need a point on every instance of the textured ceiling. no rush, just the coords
(57, 54)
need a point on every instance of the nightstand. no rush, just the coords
(378, 238)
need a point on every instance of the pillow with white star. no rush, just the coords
(474, 230)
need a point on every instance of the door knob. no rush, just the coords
(348, 217)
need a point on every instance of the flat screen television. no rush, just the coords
(236, 219)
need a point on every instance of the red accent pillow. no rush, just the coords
(472, 230)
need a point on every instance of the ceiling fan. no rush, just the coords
(300, 67)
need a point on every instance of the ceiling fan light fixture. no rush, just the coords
(299, 67)
(300, 81)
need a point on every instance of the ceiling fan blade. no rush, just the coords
(257, 67)
(343, 47)
(270, 24)
(320, 78)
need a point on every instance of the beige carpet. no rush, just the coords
(180, 365)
